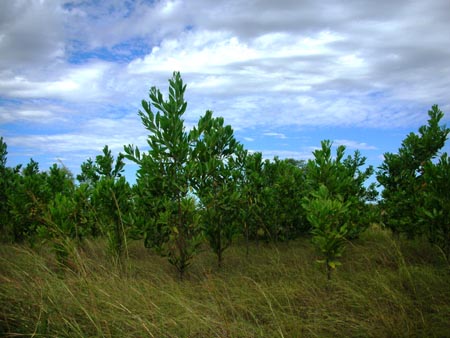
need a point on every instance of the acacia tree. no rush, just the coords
(95, 206)
(27, 202)
(251, 195)
(273, 191)
(336, 206)
(435, 213)
(60, 181)
(216, 183)
(61, 225)
(327, 215)
(165, 176)
(8, 180)
(25, 196)
(402, 176)
(109, 197)
(61, 218)
(344, 177)
(284, 194)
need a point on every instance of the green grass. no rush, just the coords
(385, 288)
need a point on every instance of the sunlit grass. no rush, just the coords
(385, 288)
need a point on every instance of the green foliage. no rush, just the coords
(251, 208)
(183, 242)
(62, 223)
(215, 182)
(284, 188)
(328, 217)
(109, 195)
(63, 212)
(344, 177)
(271, 193)
(60, 180)
(3, 153)
(8, 181)
(104, 167)
(88, 173)
(27, 203)
(25, 194)
(166, 173)
(202, 184)
(401, 176)
(111, 202)
(435, 213)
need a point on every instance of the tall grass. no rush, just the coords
(385, 288)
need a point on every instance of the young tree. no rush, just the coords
(216, 186)
(327, 215)
(89, 174)
(401, 176)
(27, 202)
(111, 202)
(61, 225)
(110, 197)
(165, 176)
(60, 181)
(287, 190)
(251, 208)
(8, 181)
(343, 177)
(276, 188)
(435, 213)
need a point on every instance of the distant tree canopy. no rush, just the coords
(201, 186)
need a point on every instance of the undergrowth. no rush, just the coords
(385, 288)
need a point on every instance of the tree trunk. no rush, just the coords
(328, 270)
(219, 250)
(246, 239)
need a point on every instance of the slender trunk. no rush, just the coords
(181, 273)
(447, 249)
(246, 239)
(328, 270)
(181, 241)
(219, 259)
(396, 234)
(180, 213)
(219, 250)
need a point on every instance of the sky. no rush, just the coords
(284, 74)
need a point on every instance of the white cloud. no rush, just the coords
(32, 32)
(350, 144)
(83, 83)
(318, 72)
(29, 116)
(276, 135)
(200, 52)
(75, 144)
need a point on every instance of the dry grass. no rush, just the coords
(385, 288)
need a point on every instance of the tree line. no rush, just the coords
(201, 186)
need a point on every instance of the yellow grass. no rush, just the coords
(384, 288)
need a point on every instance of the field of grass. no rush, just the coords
(385, 288)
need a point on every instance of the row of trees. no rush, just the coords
(416, 181)
(202, 186)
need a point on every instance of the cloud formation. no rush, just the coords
(273, 70)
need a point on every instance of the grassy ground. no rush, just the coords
(384, 288)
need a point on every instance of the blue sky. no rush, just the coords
(284, 74)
